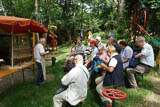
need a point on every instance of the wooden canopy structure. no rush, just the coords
(13, 26)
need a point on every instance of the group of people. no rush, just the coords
(109, 61)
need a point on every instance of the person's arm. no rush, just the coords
(89, 60)
(44, 53)
(109, 69)
(82, 52)
(127, 55)
(104, 60)
(126, 60)
(67, 79)
(139, 55)
(112, 64)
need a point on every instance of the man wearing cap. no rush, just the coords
(99, 43)
(110, 38)
(93, 53)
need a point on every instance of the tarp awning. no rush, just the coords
(20, 25)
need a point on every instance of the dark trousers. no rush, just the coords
(40, 73)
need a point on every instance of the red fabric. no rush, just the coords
(93, 42)
(20, 25)
(42, 35)
(53, 41)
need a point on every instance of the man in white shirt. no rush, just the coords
(39, 54)
(126, 53)
(76, 80)
(146, 62)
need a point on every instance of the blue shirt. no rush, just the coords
(80, 48)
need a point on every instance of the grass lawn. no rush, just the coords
(28, 94)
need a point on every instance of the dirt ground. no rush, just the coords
(154, 99)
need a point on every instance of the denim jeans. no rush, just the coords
(40, 73)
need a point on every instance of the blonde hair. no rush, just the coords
(111, 49)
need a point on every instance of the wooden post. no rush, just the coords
(12, 46)
(34, 39)
(53, 42)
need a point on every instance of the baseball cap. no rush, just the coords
(111, 35)
(93, 42)
(98, 38)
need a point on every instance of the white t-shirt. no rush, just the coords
(148, 57)
(37, 50)
(113, 62)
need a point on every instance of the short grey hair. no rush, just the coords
(79, 59)
(140, 39)
(42, 40)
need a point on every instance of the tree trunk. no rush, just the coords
(36, 10)
(120, 9)
(3, 9)
(69, 36)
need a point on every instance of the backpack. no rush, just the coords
(132, 62)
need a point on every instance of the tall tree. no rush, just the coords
(36, 9)
(3, 9)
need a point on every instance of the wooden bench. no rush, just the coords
(7, 72)
(23, 57)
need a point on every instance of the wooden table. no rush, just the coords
(11, 71)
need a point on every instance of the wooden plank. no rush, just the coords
(7, 72)
(23, 57)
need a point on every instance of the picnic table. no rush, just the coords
(13, 70)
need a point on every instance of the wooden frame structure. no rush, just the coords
(13, 26)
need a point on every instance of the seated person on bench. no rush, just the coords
(72, 53)
(101, 57)
(76, 80)
(69, 65)
(146, 62)
(80, 48)
(113, 75)
(93, 53)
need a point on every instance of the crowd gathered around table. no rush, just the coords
(114, 64)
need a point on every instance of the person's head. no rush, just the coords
(70, 60)
(110, 50)
(140, 41)
(101, 50)
(74, 43)
(78, 59)
(123, 44)
(42, 41)
(93, 43)
(111, 35)
(98, 39)
(114, 41)
(79, 41)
